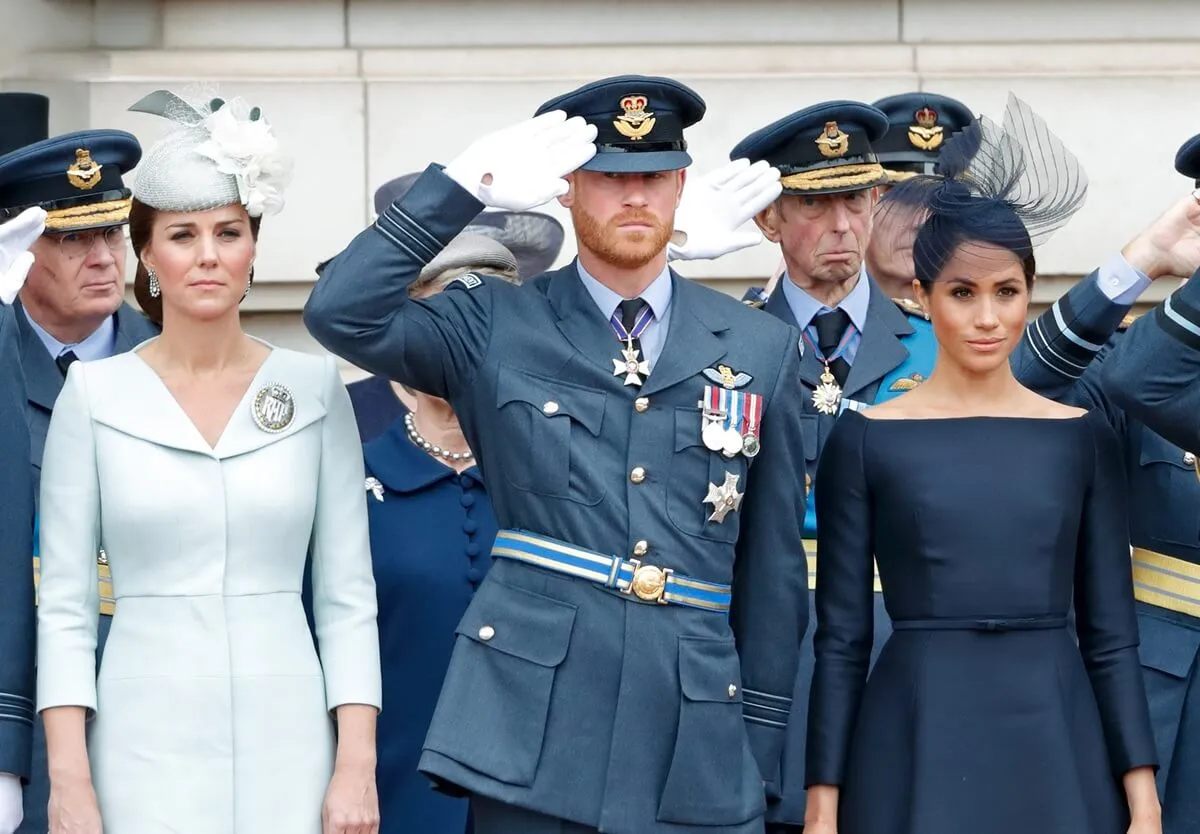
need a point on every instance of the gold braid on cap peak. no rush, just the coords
(899, 176)
(841, 176)
(110, 212)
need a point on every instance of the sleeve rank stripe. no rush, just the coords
(766, 708)
(1179, 319)
(400, 227)
(419, 231)
(1041, 348)
(400, 244)
(766, 722)
(1086, 337)
(766, 696)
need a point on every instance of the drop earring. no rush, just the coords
(155, 289)
(249, 283)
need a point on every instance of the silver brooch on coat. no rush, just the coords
(374, 487)
(274, 408)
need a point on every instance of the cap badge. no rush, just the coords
(635, 123)
(926, 134)
(832, 143)
(274, 408)
(85, 173)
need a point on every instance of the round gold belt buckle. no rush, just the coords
(649, 582)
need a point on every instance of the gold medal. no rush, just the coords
(827, 395)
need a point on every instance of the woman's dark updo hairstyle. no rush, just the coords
(141, 227)
(956, 217)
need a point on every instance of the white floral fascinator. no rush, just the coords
(219, 152)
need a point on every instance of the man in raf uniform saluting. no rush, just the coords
(1148, 387)
(72, 304)
(18, 627)
(640, 438)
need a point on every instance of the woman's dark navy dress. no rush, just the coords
(431, 542)
(981, 715)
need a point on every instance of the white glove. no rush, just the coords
(11, 812)
(522, 166)
(715, 207)
(16, 236)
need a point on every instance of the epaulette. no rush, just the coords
(1127, 322)
(910, 307)
(755, 297)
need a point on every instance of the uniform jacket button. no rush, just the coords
(486, 633)
(637, 475)
(641, 405)
(551, 407)
(732, 691)
(641, 548)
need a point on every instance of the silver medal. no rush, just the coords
(713, 435)
(732, 442)
(273, 408)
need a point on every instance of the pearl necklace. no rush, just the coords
(437, 451)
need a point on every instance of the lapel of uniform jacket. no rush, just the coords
(43, 379)
(580, 320)
(692, 342)
(880, 350)
(810, 366)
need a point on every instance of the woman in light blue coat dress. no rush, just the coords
(211, 466)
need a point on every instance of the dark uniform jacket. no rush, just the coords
(562, 697)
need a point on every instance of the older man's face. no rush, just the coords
(76, 278)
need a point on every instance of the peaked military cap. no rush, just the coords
(76, 178)
(639, 122)
(24, 119)
(919, 125)
(824, 149)
(1187, 160)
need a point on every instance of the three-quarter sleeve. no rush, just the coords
(1105, 615)
(69, 535)
(344, 602)
(844, 600)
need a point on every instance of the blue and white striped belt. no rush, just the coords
(649, 583)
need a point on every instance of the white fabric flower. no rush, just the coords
(242, 145)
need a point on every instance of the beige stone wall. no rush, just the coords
(363, 90)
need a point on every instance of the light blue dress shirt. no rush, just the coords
(657, 295)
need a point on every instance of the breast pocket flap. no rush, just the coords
(551, 398)
(519, 623)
